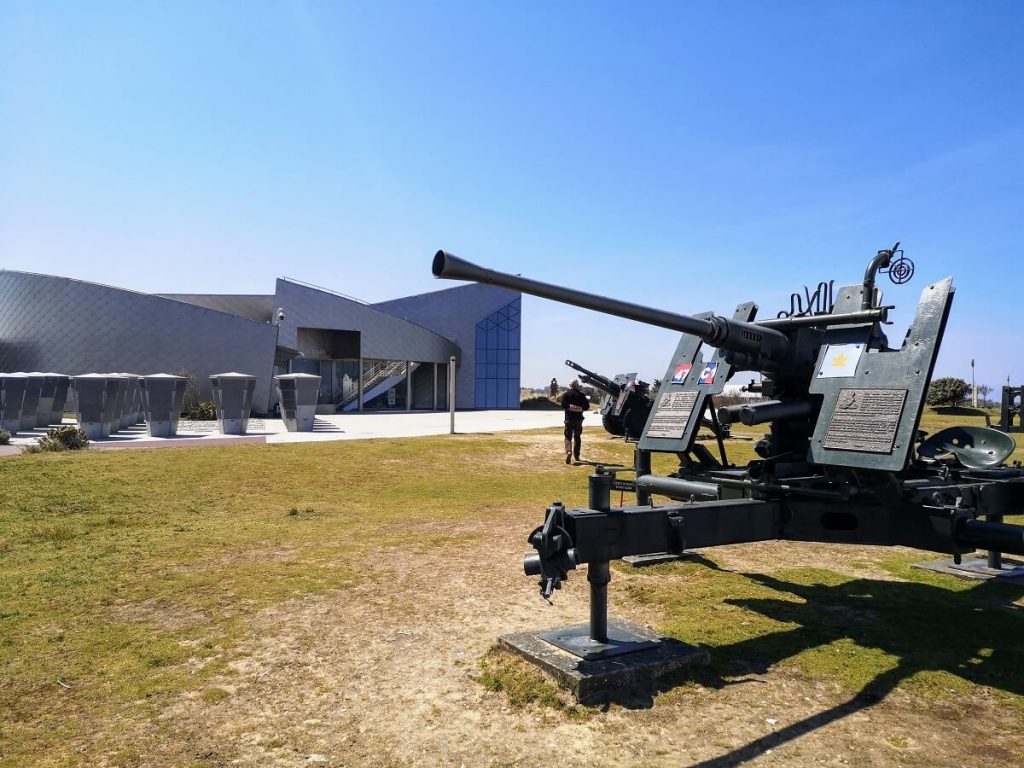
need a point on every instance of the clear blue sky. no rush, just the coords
(682, 155)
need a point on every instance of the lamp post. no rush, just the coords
(974, 388)
(451, 393)
(278, 319)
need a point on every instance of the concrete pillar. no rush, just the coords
(118, 386)
(60, 398)
(30, 406)
(12, 396)
(96, 402)
(132, 401)
(299, 394)
(163, 396)
(44, 405)
(232, 397)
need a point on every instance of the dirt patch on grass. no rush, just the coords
(387, 674)
(165, 614)
(537, 453)
(768, 556)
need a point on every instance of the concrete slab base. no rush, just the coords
(600, 680)
(657, 558)
(976, 568)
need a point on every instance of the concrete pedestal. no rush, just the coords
(95, 398)
(30, 406)
(12, 396)
(162, 398)
(132, 401)
(120, 389)
(299, 394)
(606, 677)
(44, 406)
(232, 398)
(60, 397)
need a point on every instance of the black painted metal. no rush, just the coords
(717, 331)
(843, 461)
(642, 466)
(599, 571)
(598, 576)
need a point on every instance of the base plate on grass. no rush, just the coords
(576, 640)
(977, 568)
(600, 679)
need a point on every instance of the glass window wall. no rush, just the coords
(384, 385)
(497, 359)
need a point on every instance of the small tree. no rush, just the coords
(553, 388)
(947, 391)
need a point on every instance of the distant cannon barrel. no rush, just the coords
(721, 332)
(595, 379)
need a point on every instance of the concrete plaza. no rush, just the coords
(355, 426)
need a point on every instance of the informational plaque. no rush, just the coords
(673, 414)
(865, 420)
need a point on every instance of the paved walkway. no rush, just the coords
(354, 426)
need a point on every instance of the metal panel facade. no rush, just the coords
(383, 336)
(455, 312)
(50, 323)
(68, 326)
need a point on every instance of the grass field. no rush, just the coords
(139, 589)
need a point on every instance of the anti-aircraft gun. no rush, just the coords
(843, 461)
(626, 403)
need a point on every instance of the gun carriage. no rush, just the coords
(843, 460)
(626, 402)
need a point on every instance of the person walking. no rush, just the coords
(574, 403)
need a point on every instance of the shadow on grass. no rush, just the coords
(910, 627)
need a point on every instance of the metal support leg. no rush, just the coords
(599, 495)
(599, 574)
(995, 559)
(594, 641)
(642, 466)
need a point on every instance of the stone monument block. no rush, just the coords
(299, 395)
(163, 396)
(12, 396)
(232, 398)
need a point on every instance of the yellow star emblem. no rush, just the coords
(839, 360)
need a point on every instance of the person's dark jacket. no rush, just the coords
(574, 397)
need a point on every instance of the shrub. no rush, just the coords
(539, 404)
(947, 391)
(64, 439)
(204, 411)
(5, 437)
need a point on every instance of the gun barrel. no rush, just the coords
(595, 379)
(718, 331)
(452, 267)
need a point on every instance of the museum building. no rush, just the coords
(391, 356)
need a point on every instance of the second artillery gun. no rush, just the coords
(626, 403)
(843, 461)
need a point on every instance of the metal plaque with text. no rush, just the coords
(673, 414)
(865, 420)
